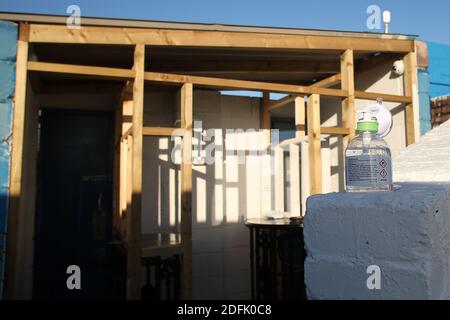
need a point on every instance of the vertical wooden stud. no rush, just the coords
(348, 84)
(410, 89)
(299, 117)
(13, 269)
(186, 189)
(134, 220)
(314, 144)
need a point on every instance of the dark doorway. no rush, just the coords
(74, 204)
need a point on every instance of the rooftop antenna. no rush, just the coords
(386, 20)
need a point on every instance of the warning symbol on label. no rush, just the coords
(383, 163)
(383, 173)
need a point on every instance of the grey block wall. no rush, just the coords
(8, 44)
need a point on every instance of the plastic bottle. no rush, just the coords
(368, 159)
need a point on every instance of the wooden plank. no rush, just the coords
(117, 171)
(299, 117)
(335, 130)
(186, 189)
(348, 84)
(46, 33)
(223, 83)
(16, 200)
(314, 144)
(275, 104)
(410, 86)
(134, 264)
(162, 131)
(103, 72)
(328, 82)
(124, 158)
(266, 116)
(384, 96)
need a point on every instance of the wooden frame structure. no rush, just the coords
(130, 134)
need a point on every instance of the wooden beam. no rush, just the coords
(191, 64)
(186, 189)
(46, 33)
(314, 144)
(134, 246)
(223, 83)
(410, 86)
(348, 84)
(327, 82)
(384, 96)
(162, 131)
(266, 116)
(299, 116)
(335, 130)
(103, 72)
(275, 104)
(16, 199)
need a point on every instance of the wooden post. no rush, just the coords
(125, 113)
(299, 117)
(266, 115)
(410, 89)
(16, 200)
(348, 84)
(186, 189)
(134, 220)
(314, 144)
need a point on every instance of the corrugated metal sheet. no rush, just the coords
(8, 40)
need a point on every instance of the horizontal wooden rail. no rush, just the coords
(162, 131)
(81, 70)
(241, 84)
(335, 130)
(327, 130)
(384, 96)
(181, 79)
(328, 82)
(117, 73)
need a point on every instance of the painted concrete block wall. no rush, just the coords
(8, 40)
(404, 232)
(423, 78)
(439, 68)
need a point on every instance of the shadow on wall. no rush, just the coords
(225, 193)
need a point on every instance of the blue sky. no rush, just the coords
(429, 19)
